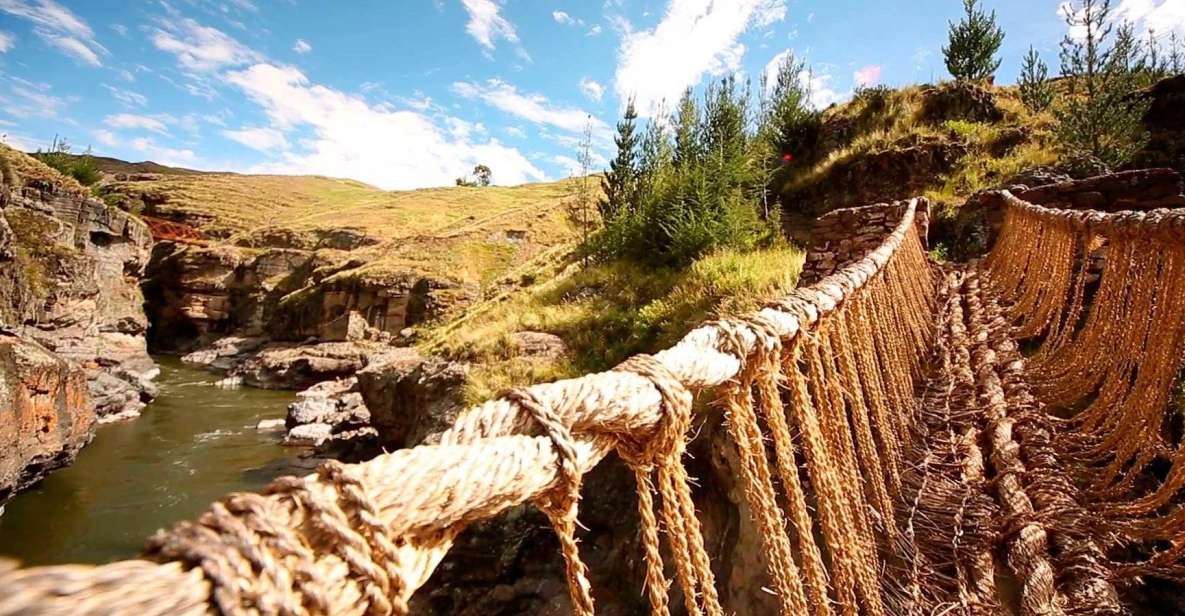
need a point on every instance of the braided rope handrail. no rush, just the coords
(412, 503)
(1149, 222)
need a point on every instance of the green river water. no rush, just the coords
(193, 444)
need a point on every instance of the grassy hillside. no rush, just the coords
(473, 234)
(16, 166)
(605, 313)
(114, 165)
(946, 141)
(234, 206)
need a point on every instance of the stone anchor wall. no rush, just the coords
(1139, 190)
(846, 235)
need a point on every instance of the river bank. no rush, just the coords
(194, 443)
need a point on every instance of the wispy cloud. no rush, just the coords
(126, 97)
(154, 123)
(301, 46)
(201, 48)
(7, 40)
(591, 89)
(487, 25)
(262, 139)
(531, 107)
(59, 27)
(694, 38)
(27, 99)
(1160, 16)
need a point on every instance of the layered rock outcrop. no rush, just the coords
(198, 293)
(69, 279)
(44, 414)
(73, 351)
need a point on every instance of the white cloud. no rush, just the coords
(59, 27)
(532, 107)
(769, 13)
(156, 124)
(120, 29)
(393, 149)
(516, 131)
(1161, 16)
(262, 139)
(595, 30)
(162, 154)
(694, 38)
(486, 25)
(866, 76)
(127, 97)
(7, 40)
(591, 89)
(822, 93)
(106, 137)
(201, 48)
(71, 47)
(561, 17)
(302, 46)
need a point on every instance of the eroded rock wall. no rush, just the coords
(198, 293)
(69, 280)
(44, 413)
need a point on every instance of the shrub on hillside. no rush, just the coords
(80, 167)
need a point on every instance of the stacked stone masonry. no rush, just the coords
(846, 235)
(1139, 190)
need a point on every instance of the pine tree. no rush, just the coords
(620, 183)
(789, 125)
(581, 204)
(1035, 89)
(686, 131)
(974, 41)
(1176, 60)
(1100, 118)
(1154, 60)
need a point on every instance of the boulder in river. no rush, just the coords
(411, 396)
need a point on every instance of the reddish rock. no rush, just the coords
(45, 416)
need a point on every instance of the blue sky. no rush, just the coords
(413, 93)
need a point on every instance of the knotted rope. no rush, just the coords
(662, 456)
(562, 504)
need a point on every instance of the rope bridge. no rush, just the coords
(899, 453)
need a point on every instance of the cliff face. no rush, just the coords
(69, 280)
(73, 350)
(198, 293)
(43, 413)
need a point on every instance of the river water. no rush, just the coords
(193, 444)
